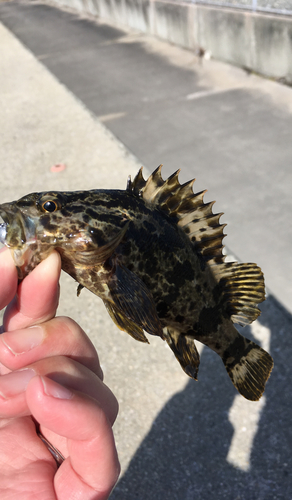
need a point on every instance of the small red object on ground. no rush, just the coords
(59, 167)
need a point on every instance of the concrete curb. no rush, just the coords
(259, 42)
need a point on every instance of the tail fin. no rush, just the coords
(248, 366)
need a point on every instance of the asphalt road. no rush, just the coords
(104, 101)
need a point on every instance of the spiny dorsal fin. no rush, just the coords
(194, 216)
(243, 289)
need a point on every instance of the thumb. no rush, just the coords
(37, 296)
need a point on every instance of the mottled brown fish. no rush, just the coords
(153, 253)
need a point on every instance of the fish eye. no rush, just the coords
(50, 206)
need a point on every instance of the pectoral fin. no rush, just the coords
(100, 254)
(125, 323)
(132, 307)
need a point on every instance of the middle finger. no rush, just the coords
(60, 336)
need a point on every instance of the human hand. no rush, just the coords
(50, 374)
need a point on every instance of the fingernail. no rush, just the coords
(21, 341)
(55, 390)
(15, 383)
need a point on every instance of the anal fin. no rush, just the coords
(79, 288)
(185, 351)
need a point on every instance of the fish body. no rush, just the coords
(153, 254)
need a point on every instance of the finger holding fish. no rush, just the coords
(9, 278)
(50, 346)
(37, 296)
(35, 347)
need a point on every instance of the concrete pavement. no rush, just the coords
(176, 439)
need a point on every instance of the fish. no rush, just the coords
(154, 254)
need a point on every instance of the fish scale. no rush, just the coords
(153, 254)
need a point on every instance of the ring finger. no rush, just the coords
(63, 370)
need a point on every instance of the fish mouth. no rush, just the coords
(18, 233)
(15, 230)
(3, 231)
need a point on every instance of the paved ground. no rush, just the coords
(66, 86)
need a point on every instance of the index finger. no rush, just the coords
(9, 278)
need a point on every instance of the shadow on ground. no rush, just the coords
(170, 465)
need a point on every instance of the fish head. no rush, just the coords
(37, 223)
